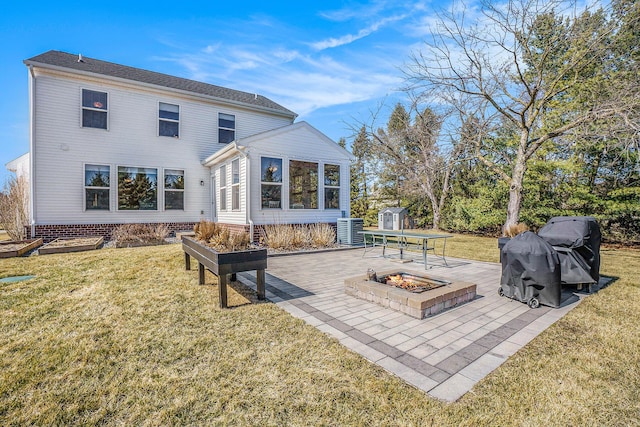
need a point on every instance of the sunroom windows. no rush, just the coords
(331, 186)
(303, 185)
(271, 182)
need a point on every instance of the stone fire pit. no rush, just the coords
(419, 304)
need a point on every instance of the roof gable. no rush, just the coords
(81, 64)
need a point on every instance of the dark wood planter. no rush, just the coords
(224, 263)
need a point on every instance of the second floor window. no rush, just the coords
(94, 109)
(226, 128)
(169, 116)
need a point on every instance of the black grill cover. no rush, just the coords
(577, 240)
(531, 269)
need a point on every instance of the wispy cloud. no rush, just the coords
(349, 38)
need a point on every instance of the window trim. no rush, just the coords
(222, 188)
(90, 187)
(272, 183)
(235, 186)
(295, 206)
(227, 128)
(82, 108)
(117, 183)
(334, 187)
(161, 119)
(173, 190)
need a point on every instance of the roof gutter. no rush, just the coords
(290, 114)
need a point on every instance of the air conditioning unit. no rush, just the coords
(347, 232)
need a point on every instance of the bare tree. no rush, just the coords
(538, 66)
(14, 208)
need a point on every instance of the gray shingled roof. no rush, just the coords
(95, 66)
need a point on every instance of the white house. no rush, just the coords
(111, 144)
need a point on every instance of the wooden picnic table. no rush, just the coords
(401, 239)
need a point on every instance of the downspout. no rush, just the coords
(32, 142)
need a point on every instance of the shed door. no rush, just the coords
(387, 221)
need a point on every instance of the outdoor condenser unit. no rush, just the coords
(348, 231)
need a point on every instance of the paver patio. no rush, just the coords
(444, 355)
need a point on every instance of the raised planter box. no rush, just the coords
(224, 263)
(14, 248)
(63, 245)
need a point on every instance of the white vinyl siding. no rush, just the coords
(131, 140)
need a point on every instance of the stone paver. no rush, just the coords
(444, 355)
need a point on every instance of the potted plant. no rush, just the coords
(224, 253)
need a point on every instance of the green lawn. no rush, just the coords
(126, 336)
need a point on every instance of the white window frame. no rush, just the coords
(158, 192)
(101, 110)
(166, 190)
(164, 119)
(222, 171)
(272, 183)
(235, 184)
(335, 187)
(90, 187)
(233, 129)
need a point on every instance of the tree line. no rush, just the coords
(529, 111)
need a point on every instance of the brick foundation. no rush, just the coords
(52, 232)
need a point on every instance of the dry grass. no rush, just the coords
(126, 336)
(220, 237)
(291, 237)
(4, 235)
(129, 235)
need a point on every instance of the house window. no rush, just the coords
(223, 188)
(303, 185)
(271, 178)
(169, 120)
(173, 189)
(226, 128)
(331, 186)
(235, 185)
(96, 187)
(137, 188)
(94, 109)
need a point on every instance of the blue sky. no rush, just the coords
(332, 62)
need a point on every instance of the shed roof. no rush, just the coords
(83, 64)
(393, 210)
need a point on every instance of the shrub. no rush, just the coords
(128, 235)
(14, 208)
(322, 235)
(220, 237)
(514, 230)
(290, 237)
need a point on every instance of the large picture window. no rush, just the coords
(94, 109)
(173, 189)
(226, 128)
(303, 185)
(169, 120)
(271, 178)
(96, 187)
(331, 186)
(223, 188)
(235, 184)
(137, 188)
